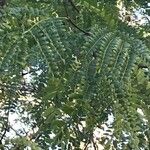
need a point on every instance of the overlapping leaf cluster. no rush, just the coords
(81, 69)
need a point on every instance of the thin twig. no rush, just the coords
(94, 144)
(86, 144)
(64, 3)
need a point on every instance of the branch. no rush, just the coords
(69, 19)
(74, 6)
(86, 33)
(15, 131)
(2, 3)
(39, 133)
(7, 125)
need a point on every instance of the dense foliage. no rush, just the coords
(67, 69)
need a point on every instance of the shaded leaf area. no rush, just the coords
(69, 74)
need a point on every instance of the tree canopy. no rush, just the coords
(76, 74)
